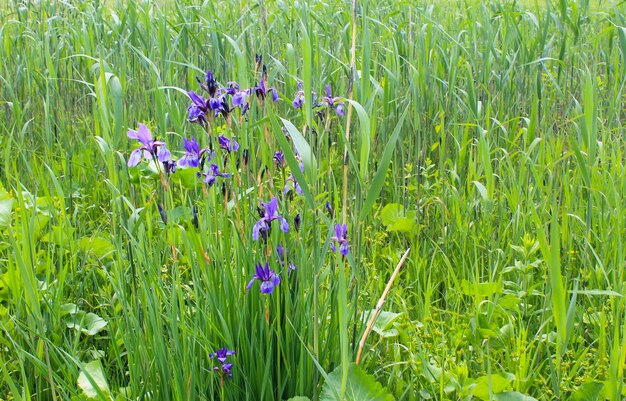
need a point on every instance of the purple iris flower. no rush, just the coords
(279, 159)
(291, 179)
(211, 176)
(261, 89)
(240, 98)
(149, 148)
(329, 208)
(332, 102)
(221, 355)
(298, 100)
(341, 237)
(268, 214)
(193, 153)
(169, 166)
(229, 145)
(198, 108)
(283, 257)
(297, 220)
(268, 278)
(209, 84)
(233, 87)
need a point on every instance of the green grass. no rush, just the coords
(486, 136)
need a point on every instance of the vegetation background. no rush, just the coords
(488, 137)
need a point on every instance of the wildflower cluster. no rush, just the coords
(328, 100)
(224, 368)
(226, 99)
(214, 101)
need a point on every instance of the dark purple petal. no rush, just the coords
(297, 221)
(339, 109)
(215, 104)
(274, 95)
(328, 92)
(332, 247)
(279, 159)
(194, 114)
(329, 208)
(197, 100)
(191, 146)
(223, 142)
(211, 83)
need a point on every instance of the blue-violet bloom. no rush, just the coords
(268, 214)
(268, 278)
(149, 147)
(230, 145)
(221, 355)
(341, 237)
(211, 176)
(332, 102)
(283, 255)
(279, 159)
(193, 153)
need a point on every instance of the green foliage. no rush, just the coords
(395, 218)
(486, 136)
(360, 387)
(92, 381)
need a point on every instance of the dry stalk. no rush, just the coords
(379, 306)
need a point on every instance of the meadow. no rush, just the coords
(312, 200)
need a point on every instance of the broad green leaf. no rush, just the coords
(6, 206)
(483, 290)
(299, 398)
(96, 245)
(68, 309)
(589, 391)
(60, 235)
(383, 322)
(88, 323)
(291, 160)
(186, 177)
(513, 396)
(607, 293)
(360, 387)
(499, 384)
(92, 381)
(302, 146)
(483, 191)
(396, 219)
